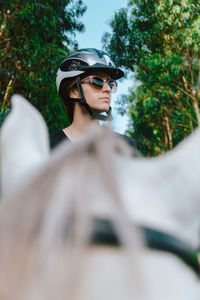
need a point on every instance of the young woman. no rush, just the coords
(85, 81)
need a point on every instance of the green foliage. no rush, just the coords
(3, 115)
(35, 37)
(160, 42)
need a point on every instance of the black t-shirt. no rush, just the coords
(58, 136)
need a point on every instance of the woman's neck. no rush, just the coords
(80, 123)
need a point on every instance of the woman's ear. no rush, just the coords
(73, 93)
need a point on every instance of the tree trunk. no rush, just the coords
(191, 124)
(7, 93)
(169, 135)
(193, 93)
(196, 109)
(198, 87)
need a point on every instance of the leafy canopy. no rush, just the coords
(159, 41)
(35, 37)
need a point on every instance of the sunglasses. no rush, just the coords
(98, 83)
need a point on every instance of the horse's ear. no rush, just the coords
(24, 144)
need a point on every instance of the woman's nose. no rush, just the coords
(106, 87)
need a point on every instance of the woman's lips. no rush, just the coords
(107, 99)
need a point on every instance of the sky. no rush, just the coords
(96, 19)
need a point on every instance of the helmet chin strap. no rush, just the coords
(102, 116)
(95, 115)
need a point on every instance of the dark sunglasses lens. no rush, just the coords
(97, 82)
(113, 85)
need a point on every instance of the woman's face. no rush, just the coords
(97, 99)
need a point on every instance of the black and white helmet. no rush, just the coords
(84, 60)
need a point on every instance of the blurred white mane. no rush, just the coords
(43, 257)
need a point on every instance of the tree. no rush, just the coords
(35, 37)
(160, 42)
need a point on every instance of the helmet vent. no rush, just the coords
(71, 65)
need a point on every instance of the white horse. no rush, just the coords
(70, 220)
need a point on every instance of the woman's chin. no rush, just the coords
(102, 108)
